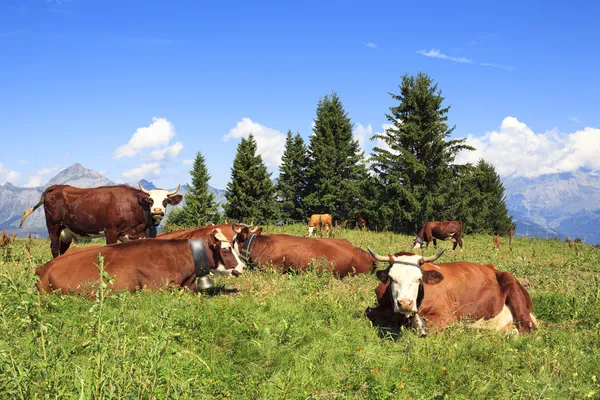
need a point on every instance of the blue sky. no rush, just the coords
(79, 78)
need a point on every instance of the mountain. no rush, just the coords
(564, 204)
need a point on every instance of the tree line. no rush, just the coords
(410, 178)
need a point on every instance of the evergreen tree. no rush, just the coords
(415, 172)
(490, 214)
(250, 193)
(292, 181)
(200, 207)
(336, 171)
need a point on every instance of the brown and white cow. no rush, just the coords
(320, 221)
(116, 212)
(150, 264)
(290, 252)
(414, 288)
(442, 230)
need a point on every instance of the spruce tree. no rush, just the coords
(250, 194)
(336, 171)
(292, 180)
(415, 175)
(200, 207)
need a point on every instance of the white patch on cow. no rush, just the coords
(220, 270)
(157, 209)
(311, 230)
(501, 322)
(405, 278)
(67, 235)
(124, 239)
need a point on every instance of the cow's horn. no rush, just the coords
(142, 188)
(235, 230)
(254, 230)
(433, 258)
(174, 191)
(377, 256)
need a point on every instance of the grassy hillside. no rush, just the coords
(267, 335)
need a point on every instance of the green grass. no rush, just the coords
(298, 336)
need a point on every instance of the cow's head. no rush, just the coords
(405, 277)
(242, 233)
(157, 201)
(226, 259)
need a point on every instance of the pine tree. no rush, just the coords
(415, 173)
(490, 214)
(291, 185)
(250, 194)
(200, 207)
(336, 171)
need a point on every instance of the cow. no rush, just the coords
(288, 252)
(412, 287)
(442, 230)
(119, 213)
(361, 223)
(150, 264)
(320, 221)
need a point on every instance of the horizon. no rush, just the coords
(85, 82)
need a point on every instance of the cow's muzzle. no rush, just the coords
(405, 306)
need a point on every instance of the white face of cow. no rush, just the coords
(405, 278)
(159, 199)
(228, 250)
(311, 230)
(418, 243)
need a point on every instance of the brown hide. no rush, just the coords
(442, 230)
(136, 264)
(321, 220)
(295, 252)
(116, 210)
(464, 289)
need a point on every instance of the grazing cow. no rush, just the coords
(116, 212)
(361, 222)
(320, 221)
(296, 252)
(143, 263)
(497, 241)
(443, 293)
(443, 230)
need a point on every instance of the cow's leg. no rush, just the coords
(54, 235)
(434, 243)
(459, 241)
(518, 301)
(111, 236)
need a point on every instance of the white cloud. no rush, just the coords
(370, 45)
(157, 134)
(270, 143)
(167, 153)
(380, 142)
(492, 65)
(435, 53)
(188, 162)
(7, 175)
(362, 134)
(575, 119)
(40, 177)
(516, 149)
(144, 171)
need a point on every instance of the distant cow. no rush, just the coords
(442, 230)
(116, 212)
(361, 222)
(320, 221)
(290, 252)
(143, 263)
(444, 293)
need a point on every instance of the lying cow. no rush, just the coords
(412, 287)
(295, 252)
(119, 213)
(143, 263)
(320, 221)
(442, 230)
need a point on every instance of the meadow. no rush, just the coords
(267, 335)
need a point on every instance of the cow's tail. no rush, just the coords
(27, 213)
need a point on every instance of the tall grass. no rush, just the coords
(297, 336)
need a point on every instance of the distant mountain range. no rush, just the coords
(556, 205)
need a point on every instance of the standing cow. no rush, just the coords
(442, 230)
(320, 221)
(119, 213)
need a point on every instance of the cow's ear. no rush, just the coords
(174, 200)
(212, 240)
(144, 200)
(382, 274)
(432, 277)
